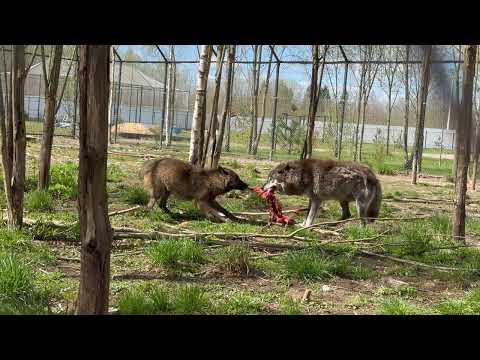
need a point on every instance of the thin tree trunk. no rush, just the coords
(110, 96)
(254, 110)
(212, 128)
(274, 115)
(407, 163)
(20, 142)
(359, 110)
(389, 119)
(342, 120)
(463, 149)
(476, 152)
(264, 104)
(365, 102)
(170, 98)
(227, 140)
(217, 148)
(421, 116)
(49, 117)
(200, 104)
(95, 229)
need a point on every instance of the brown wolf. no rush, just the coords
(329, 180)
(166, 176)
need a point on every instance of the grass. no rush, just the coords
(18, 292)
(290, 306)
(191, 299)
(308, 265)
(397, 306)
(39, 200)
(234, 259)
(175, 254)
(63, 180)
(142, 300)
(135, 195)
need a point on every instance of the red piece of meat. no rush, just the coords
(273, 204)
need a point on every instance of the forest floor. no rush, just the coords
(404, 263)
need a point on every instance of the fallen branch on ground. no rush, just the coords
(118, 212)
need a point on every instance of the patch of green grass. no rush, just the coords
(114, 173)
(173, 254)
(357, 231)
(135, 195)
(385, 169)
(414, 239)
(31, 183)
(311, 265)
(18, 292)
(234, 164)
(39, 200)
(397, 306)
(240, 303)
(235, 258)
(469, 305)
(441, 224)
(144, 300)
(191, 299)
(254, 201)
(290, 306)
(403, 291)
(63, 180)
(135, 302)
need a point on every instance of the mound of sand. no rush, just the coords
(133, 129)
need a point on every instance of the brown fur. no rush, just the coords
(166, 176)
(331, 180)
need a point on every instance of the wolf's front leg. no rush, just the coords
(210, 212)
(224, 211)
(314, 205)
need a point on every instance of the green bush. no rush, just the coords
(63, 180)
(234, 258)
(173, 253)
(135, 196)
(191, 299)
(39, 200)
(18, 292)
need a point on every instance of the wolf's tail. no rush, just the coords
(375, 197)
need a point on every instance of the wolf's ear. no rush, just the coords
(287, 167)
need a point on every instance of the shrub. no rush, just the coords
(39, 200)
(63, 180)
(135, 196)
(234, 258)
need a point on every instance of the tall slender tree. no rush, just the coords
(51, 80)
(217, 148)
(95, 229)
(196, 146)
(427, 59)
(462, 150)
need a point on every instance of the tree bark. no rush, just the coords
(95, 229)
(200, 104)
(20, 142)
(342, 119)
(274, 115)
(217, 148)
(264, 104)
(359, 110)
(463, 150)
(315, 94)
(421, 114)
(254, 109)
(407, 163)
(212, 128)
(49, 117)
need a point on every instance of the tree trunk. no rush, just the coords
(7, 156)
(342, 120)
(359, 110)
(421, 115)
(365, 102)
(227, 140)
(264, 104)
(407, 163)
(20, 142)
(212, 128)
(170, 96)
(274, 115)
(200, 104)
(463, 149)
(217, 148)
(476, 152)
(254, 109)
(110, 96)
(49, 118)
(95, 229)
(389, 119)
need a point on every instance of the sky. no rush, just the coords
(292, 72)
